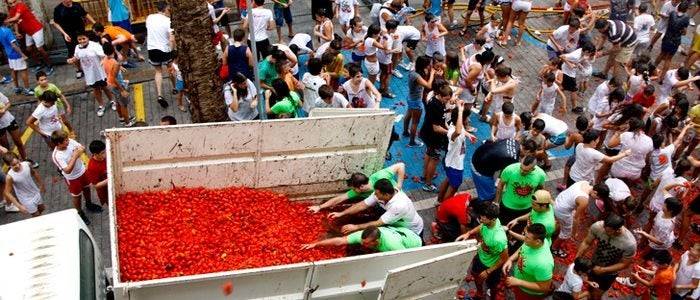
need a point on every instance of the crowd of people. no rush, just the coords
(629, 194)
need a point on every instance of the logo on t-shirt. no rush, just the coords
(522, 189)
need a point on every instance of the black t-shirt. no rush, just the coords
(492, 157)
(70, 18)
(675, 28)
(434, 115)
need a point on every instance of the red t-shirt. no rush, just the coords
(454, 208)
(663, 283)
(643, 100)
(96, 170)
(28, 23)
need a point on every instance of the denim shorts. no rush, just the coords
(558, 139)
(414, 104)
(282, 15)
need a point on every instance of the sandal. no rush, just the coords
(162, 102)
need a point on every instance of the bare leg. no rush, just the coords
(98, 96)
(429, 171)
(159, 80)
(15, 80)
(521, 26)
(17, 140)
(25, 78)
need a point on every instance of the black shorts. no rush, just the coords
(611, 152)
(412, 44)
(508, 214)
(12, 127)
(604, 281)
(569, 84)
(472, 5)
(433, 152)
(477, 267)
(99, 84)
(158, 58)
(262, 47)
(451, 1)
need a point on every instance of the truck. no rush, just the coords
(55, 256)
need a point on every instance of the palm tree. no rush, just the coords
(197, 60)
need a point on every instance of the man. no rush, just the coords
(571, 204)
(263, 21)
(533, 271)
(564, 39)
(492, 252)
(362, 186)
(160, 40)
(120, 38)
(434, 134)
(614, 252)
(282, 15)
(69, 19)
(119, 14)
(451, 218)
(400, 211)
(518, 184)
(33, 31)
(267, 68)
(490, 158)
(382, 239)
(542, 213)
(623, 41)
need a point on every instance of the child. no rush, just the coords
(570, 68)
(661, 237)
(670, 185)
(547, 96)
(501, 89)
(47, 115)
(572, 140)
(118, 86)
(327, 98)
(688, 274)
(662, 282)
(490, 32)
(469, 50)
(179, 85)
(452, 70)
(97, 169)
(312, 80)
(8, 124)
(66, 156)
(456, 150)
(346, 10)
(89, 54)
(16, 59)
(64, 107)
(26, 184)
(504, 125)
(576, 275)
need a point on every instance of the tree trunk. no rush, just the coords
(197, 59)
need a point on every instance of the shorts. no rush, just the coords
(76, 186)
(158, 58)
(508, 214)
(454, 176)
(669, 48)
(520, 295)
(604, 281)
(522, 6)
(385, 68)
(414, 104)
(569, 83)
(12, 127)
(355, 57)
(695, 47)
(433, 152)
(122, 101)
(262, 47)
(412, 44)
(126, 24)
(558, 139)
(472, 5)
(565, 224)
(467, 96)
(625, 54)
(373, 68)
(478, 266)
(485, 186)
(282, 15)
(99, 84)
(72, 44)
(179, 85)
(17, 64)
(551, 53)
(35, 39)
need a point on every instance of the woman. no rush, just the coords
(502, 89)
(324, 31)
(434, 34)
(371, 44)
(506, 9)
(418, 81)
(359, 90)
(354, 39)
(472, 74)
(241, 99)
(641, 145)
(520, 10)
(26, 184)
(281, 103)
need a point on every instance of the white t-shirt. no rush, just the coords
(552, 125)
(48, 119)
(245, 111)
(456, 149)
(661, 161)
(311, 85)
(632, 165)
(357, 37)
(7, 117)
(572, 283)
(619, 191)
(666, 10)
(399, 212)
(301, 40)
(261, 19)
(370, 49)
(158, 32)
(663, 230)
(384, 56)
(91, 62)
(657, 200)
(565, 203)
(642, 27)
(212, 15)
(574, 57)
(62, 157)
(346, 9)
(666, 88)
(337, 101)
(561, 36)
(686, 273)
(586, 163)
(322, 50)
(406, 33)
(601, 93)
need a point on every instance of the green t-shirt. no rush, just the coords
(288, 105)
(518, 190)
(281, 1)
(534, 265)
(38, 91)
(385, 173)
(545, 218)
(390, 239)
(452, 74)
(494, 241)
(267, 71)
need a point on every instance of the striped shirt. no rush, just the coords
(621, 33)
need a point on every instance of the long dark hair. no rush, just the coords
(422, 63)
(280, 90)
(239, 78)
(373, 30)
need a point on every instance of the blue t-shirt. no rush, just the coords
(118, 11)
(7, 37)
(435, 8)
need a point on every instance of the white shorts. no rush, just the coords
(17, 64)
(372, 67)
(467, 96)
(566, 224)
(522, 6)
(32, 206)
(344, 20)
(35, 39)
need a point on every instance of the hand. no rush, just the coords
(314, 208)
(67, 38)
(639, 231)
(511, 224)
(512, 281)
(598, 270)
(463, 237)
(593, 284)
(335, 215)
(483, 275)
(24, 57)
(349, 228)
(460, 105)
(124, 93)
(79, 150)
(226, 10)
(627, 152)
(23, 209)
(308, 246)
(69, 110)
(506, 267)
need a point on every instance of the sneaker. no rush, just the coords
(692, 22)
(27, 92)
(37, 69)
(406, 67)
(387, 94)
(626, 281)
(84, 217)
(11, 208)
(18, 90)
(50, 71)
(5, 80)
(430, 188)
(92, 207)
(79, 74)
(100, 111)
(559, 253)
(113, 104)
(415, 144)
(162, 102)
(129, 124)
(397, 74)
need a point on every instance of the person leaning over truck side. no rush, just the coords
(400, 211)
(362, 186)
(26, 184)
(381, 239)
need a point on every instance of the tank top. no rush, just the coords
(505, 131)
(498, 99)
(24, 185)
(549, 95)
(464, 73)
(359, 97)
(370, 49)
(433, 43)
(357, 37)
(238, 62)
(323, 31)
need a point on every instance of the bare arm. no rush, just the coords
(336, 241)
(400, 170)
(585, 245)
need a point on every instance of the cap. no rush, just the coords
(542, 197)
